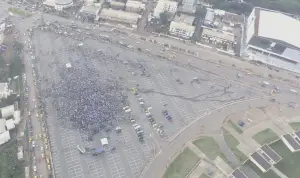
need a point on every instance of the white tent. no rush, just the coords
(4, 137)
(2, 125)
(104, 141)
(10, 124)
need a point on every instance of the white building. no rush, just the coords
(134, 6)
(165, 6)
(116, 5)
(10, 124)
(276, 36)
(2, 126)
(90, 11)
(7, 111)
(120, 16)
(181, 29)
(4, 137)
(58, 4)
(4, 90)
(17, 117)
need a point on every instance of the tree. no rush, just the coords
(164, 18)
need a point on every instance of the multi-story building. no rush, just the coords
(165, 6)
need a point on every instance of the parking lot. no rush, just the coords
(186, 94)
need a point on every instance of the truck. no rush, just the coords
(81, 149)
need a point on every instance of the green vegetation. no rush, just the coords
(295, 125)
(232, 143)
(289, 165)
(208, 146)
(204, 176)
(235, 127)
(266, 136)
(10, 166)
(269, 174)
(182, 165)
(19, 11)
(16, 66)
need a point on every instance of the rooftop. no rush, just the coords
(135, 4)
(187, 19)
(266, 25)
(182, 26)
(3, 87)
(218, 34)
(90, 9)
(118, 15)
(2, 125)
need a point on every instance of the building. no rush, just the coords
(134, 6)
(165, 6)
(2, 126)
(4, 90)
(58, 4)
(10, 124)
(276, 36)
(7, 111)
(188, 7)
(187, 19)
(4, 137)
(116, 5)
(217, 36)
(181, 29)
(17, 117)
(120, 17)
(209, 17)
(89, 11)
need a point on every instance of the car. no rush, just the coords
(33, 144)
(34, 168)
(42, 155)
(294, 91)
(42, 148)
(49, 167)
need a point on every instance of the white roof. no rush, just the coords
(134, 4)
(4, 137)
(187, 19)
(17, 117)
(2, 125)
(118, 15)
(63, 2)
(278, 26)
(89, 9)
(104, 141)
(10, 124)
(182, 26)
(8, 111)
(164, 5)
(3, 87)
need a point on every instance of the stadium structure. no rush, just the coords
(275, 35)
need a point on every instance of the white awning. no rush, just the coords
(104, 141)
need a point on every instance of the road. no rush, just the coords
(40, 152)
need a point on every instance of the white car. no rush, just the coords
(294, 91)
(34, 168)
(33, 144)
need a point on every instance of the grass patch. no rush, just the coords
(10, 166)
(265, 136)
(269, 174)
(19, 11)
(208, 146)
(289, 165)
(204, 176)
(232, 143)
(182, 165)
(235, 127)
(295, 125)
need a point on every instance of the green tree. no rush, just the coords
(164, 18)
